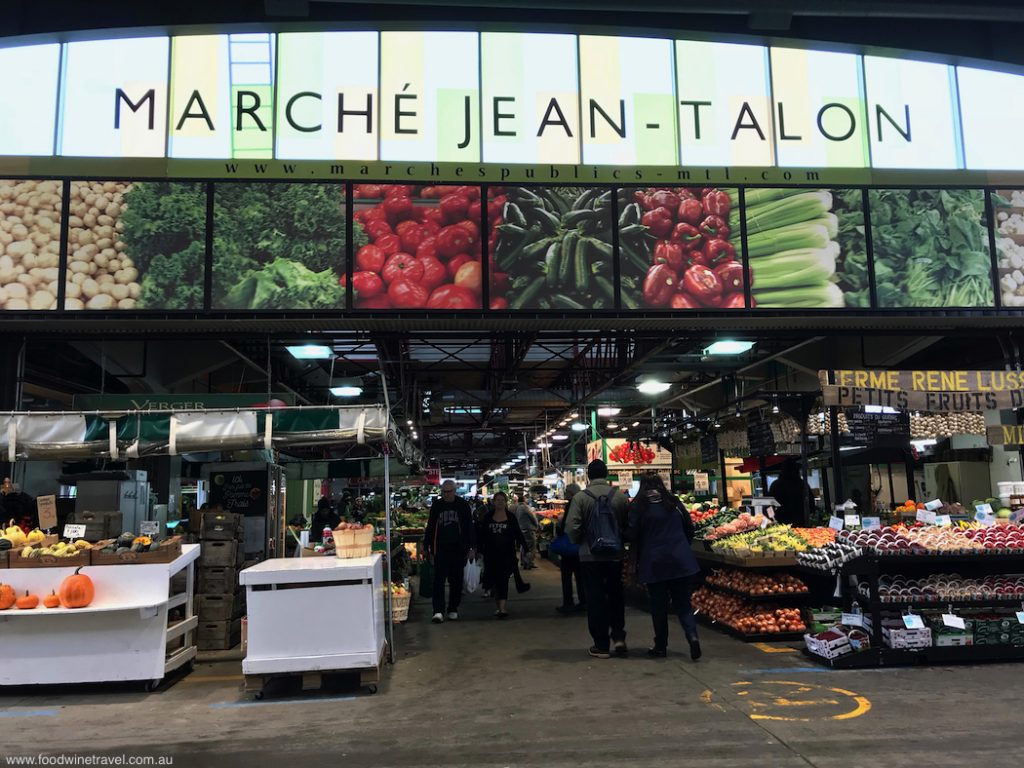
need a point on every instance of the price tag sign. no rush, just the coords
(851, 521)
(835, 523)
(926, 516)
(766, 522)
(1020, 617)
(149, 527)
(853, 620)
(871, 523)
(933, 505)
(953, 621)
(981, 509)
(943, 520)
(701, 482)
(913, 621)
(985, 515)
(74, 531)
(46, 506)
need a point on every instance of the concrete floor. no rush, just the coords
(524, 692)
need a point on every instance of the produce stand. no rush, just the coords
(122, 635)
(752, 561)
(871, 568)
(312, 616)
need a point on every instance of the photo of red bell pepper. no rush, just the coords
(701, 283)
(682, 301)
(664, 198)
(734, 301)
(718, 251)
(714, 226)
(660, 284)
(690, 211)
(730, 275)
(688, 236)
(668, 252)
(716, 203)
(658, 221)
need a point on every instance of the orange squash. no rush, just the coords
(7, 597)
(77, 591)
(51, 600)
(27, 601)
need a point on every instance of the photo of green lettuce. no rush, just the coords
(279, 246)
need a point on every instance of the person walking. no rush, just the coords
(793, 494)
(500, 536)
(529, 525)
(569, 565)
(662, 531)
(602, 570)
(450, 540)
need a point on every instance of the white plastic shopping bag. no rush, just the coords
(471, 577)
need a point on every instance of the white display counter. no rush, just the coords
(123, 635)
(314, 615)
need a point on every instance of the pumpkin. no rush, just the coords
(51, 600)
(77, 591)
(27, 601)
(7, 596)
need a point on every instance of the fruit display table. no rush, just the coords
(310, 616)
(122, 635)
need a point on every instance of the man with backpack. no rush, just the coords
(594, 520)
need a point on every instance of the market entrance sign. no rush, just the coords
(936, 391)
(481, 101)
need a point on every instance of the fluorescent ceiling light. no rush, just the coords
(535, 450)
(347, 391)
(853, 448)
(579, 426)
(408, 423)
(623, 429)
(466, 410)
(521, 456)
(636, 423)
(652, 387)
(544, 445)
(608, 411)
(310, 352)
(559, 437)
(728, 348)
(612, 425)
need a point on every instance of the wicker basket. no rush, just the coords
(349, 544)
(400, 607)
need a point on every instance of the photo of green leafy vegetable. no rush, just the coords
(930, 248)
(279, 246)
(806, 248)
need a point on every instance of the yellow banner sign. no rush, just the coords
(916, 400)
(926, 381)
(1006, 434)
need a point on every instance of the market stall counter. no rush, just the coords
(123, 634)
(314, 615)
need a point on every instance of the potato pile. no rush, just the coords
(100, 276)
(29, 244)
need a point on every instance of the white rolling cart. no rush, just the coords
(314, 615)
(123, 635)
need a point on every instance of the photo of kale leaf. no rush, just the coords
(164, 232)
(930, 248)
(279, 246)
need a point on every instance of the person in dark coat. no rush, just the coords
(662, 530)
(500, 540)
(569, 565)
(792, 493)
(450, 539)
(324, 517)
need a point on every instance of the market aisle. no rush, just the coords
(524, 692)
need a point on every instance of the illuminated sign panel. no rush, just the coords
(114, 98)
(530, 98)
(504, 98)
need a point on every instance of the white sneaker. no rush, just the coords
(438, 618)
(453, 616)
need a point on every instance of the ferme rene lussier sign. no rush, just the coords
(503, 98)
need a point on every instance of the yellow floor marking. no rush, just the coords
(790, 699)
(706, 696)
(782, 702)
(769, 649)
(210, 678)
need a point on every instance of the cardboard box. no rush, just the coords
(220, 607)
(959, 639)
(907, 638)
(829, 645)
(221, 553)
(221, 526)
(218, 635)
(218, 581)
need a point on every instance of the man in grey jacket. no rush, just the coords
(529, 525)
(602, 574)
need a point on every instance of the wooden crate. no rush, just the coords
(168, 551)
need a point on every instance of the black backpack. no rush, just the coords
(603, 535)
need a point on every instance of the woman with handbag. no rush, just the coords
(569, 560)
(500, 540)
(661, 530)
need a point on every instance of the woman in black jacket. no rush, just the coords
(662, 530)
(500, 539)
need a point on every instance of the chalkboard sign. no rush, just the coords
(878, 429)
(242, 493)
(760, 437)
(709, 448)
